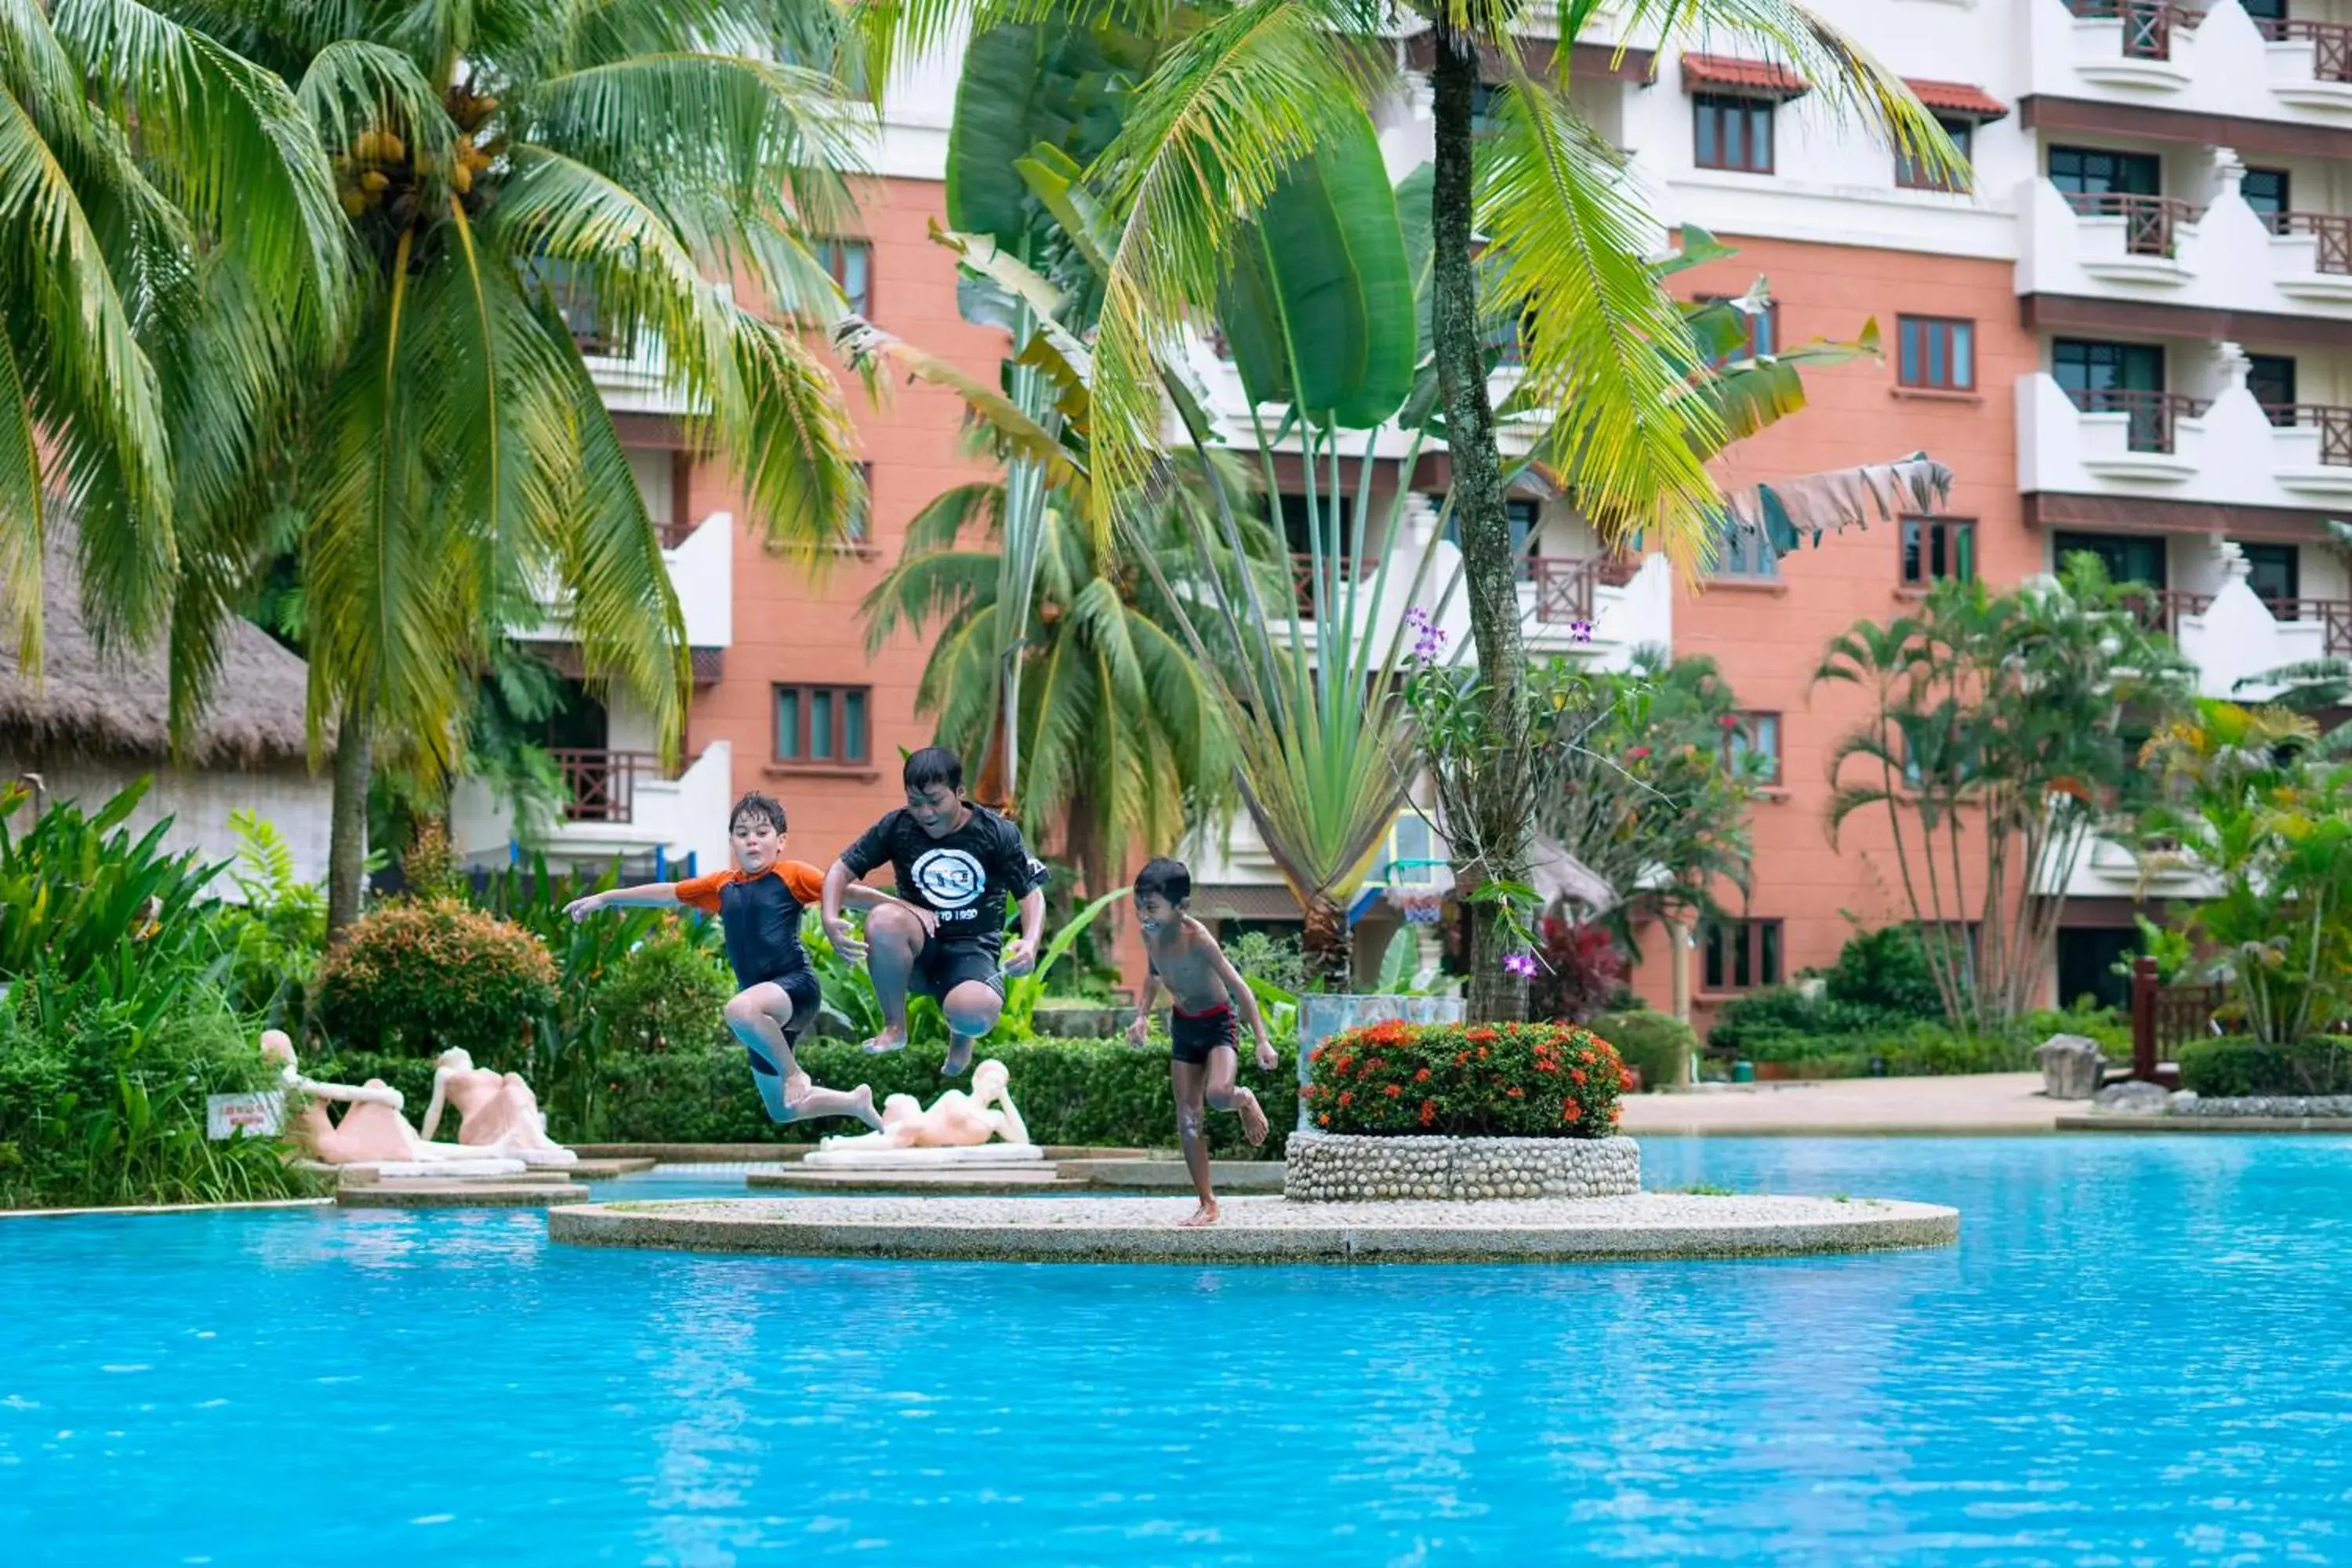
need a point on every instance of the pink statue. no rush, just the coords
(955, 1120)
(373, 1131)
(497, 1113)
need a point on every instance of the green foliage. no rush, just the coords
(78, 894)
(1885, 969)
(2255, 804)
(275, 935)
(424, 977)
(1022, 992)
(1655, 1045)
(1277, 960)
(1997, 743)
(664, 993)
(850, 1007)
(2238, 1067)
(1546, 1080)
(1917, 1048)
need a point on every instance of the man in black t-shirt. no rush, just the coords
(955, 864)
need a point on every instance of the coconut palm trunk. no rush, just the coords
(1489, 586)
(347, 844)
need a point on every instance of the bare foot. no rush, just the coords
(862, 1105)
(1205, 1215)
(958, 1060)
(1252, 1116)
(893, 1038)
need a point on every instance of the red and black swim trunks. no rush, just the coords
(1192, 1036)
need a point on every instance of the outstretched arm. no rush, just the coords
(1022, 957)
(646, 896)
(1014, 1130)
(433, 1107)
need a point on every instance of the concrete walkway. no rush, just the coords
(2004, 1102)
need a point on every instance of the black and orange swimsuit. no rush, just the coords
(761, 915)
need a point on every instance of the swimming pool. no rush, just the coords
(2137, 1354)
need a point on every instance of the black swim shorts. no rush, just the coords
(801, 985)
(942, 966)
(1192, 1036)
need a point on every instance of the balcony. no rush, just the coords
(2166, 250)
(701, 562)
(616, 803)
(1603, 606)
(2216, 61)
(2227, 450)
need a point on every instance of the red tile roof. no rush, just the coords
(1761, 79)
(1957, 98)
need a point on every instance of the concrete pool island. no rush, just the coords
(1367, 1199)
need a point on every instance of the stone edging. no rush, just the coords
(168, 1209)
(1263, 1229)
(1328, 1167)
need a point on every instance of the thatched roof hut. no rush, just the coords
(91, 704)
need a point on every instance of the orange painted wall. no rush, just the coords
(790, 628)
(1768, 639)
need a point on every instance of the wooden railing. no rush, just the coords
(2152, 414)
(2151, 224)
(2149, 25)
(1302, 577)
(2165, 1019)
(2332, 231)
(2331, 44)
(1564, 584)
(2334, 425)
(600, 785)
(2160, 610)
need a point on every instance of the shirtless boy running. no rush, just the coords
(1208, 1000)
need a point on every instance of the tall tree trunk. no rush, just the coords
(1326, 944)
(347, 848)
(1489, 581)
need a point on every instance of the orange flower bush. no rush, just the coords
(1520, 1080)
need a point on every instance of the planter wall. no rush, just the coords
(1325, 1167)
(1320, 1018)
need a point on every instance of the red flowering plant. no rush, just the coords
(1520, 1080)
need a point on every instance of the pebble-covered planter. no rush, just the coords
(2280, 1106)
(1324, 1167)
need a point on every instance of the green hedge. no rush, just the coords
(1655, 1045)
(1521, 1081)
(2236, 1067)
(1082, 1092)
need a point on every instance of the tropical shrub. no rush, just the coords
(665, 991)
(1887, 969)
(78, 893)
(1580, 970)
(422, 976)
(1746, 1024)
(275, 935)
(1655, 1045)
(2238, 1066)
(1544, 1081)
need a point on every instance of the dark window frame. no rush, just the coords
(1752, 725)
(1927, 538)
(1910, 175)
(1713, 112)
(832, 254)
(1920, 365)
(1728, 948)
(837, 700)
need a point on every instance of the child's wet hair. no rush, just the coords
(1164, 879)
(932, 766)
(757, 804)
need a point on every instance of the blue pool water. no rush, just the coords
(2137, 1354)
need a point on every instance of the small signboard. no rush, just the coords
(230, 1116)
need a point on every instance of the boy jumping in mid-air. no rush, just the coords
(1204, 1033)
(954, 863)
(759, 904)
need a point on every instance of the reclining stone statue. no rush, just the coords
(955, 1120)
(373, 1131)
(497, 1113)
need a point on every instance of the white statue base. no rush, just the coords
(401, 1170)
(966, 1155)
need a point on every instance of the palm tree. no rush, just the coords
(1243, 91)
(168, 250)
(1118, 727)
(519, 175)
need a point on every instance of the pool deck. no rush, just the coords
(1263, 1229)
(1989, 1104)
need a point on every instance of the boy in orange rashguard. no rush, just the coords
(758, 904)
